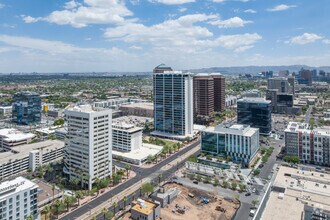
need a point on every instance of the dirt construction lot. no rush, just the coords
(195, 209)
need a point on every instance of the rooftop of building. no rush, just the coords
(130, 128)
(163, 66)
(26, 93)
(11, 187)
(305, 128)
(144, 207)
(254, 100)
(85, 109)
(201, 75)
(6, 107)
(238, 129)
(144, 105)
(14, 135)
(300, 187)
(140, 154)
(24, 150)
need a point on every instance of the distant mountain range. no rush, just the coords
(257, 69)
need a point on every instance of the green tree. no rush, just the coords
(128, 169)
(125, 201)
(233, 185)
(225, 184)
(216, 182)
(29, 217)
(255, 202)
(242, 187)
(78, 196)
(58, 122)
(193, 158)
(147, 188)
(45, 211)
(114, 204)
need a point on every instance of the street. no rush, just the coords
(141, 174)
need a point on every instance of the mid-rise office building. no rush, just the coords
(283, 85)
(126, 137)
(305, 77)
(241, 142)
(256, 112)
(26, 108)
(5, 111)
(209, 95)
(173, 104)
(88, 147)
(310, 145)
(18, 199)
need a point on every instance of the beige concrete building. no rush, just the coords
(298, 194)
(144, 109)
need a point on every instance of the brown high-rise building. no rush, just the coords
(209, 95)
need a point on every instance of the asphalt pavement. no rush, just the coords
(141, 174)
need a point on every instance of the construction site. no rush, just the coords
(195, 204)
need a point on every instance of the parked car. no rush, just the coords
(195, 181)
(248, 194)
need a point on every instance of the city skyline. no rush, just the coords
(135, 35)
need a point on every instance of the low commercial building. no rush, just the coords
(311, 146)
(138, 156)
(298, 194)
(145, 210)
(231, 101)
(240, 142)
(165, 197)
(10, 137)
(5, 110)
(29, 156)
(18, 199)
(143, 109)
(126, 137)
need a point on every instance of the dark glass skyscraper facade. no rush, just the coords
(26, 108)
(255, 112)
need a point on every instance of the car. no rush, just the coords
(254, 190)
(195, 181)
(261, 165)
(248, 194)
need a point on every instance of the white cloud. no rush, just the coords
(281, 7)
(230, 23)
(29, 19)
(238, 40)
(172, 2)
(135, 47)
(181, 34)
(182, 9)
(242, 48)
(250, 11)
(305, 38)
(2, 5)
(326, 41)
(71, 5)
(91, 12)
(221, 1)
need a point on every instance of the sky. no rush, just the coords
(137, 35)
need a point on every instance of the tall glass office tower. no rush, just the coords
(26, 108)
(173, 103)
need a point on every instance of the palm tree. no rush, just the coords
(57, 206)
(45, 211)
(160, 176)
(115, 204)
(67, 201)
(29, 217)
(78, 197)
(53, 189)
(105, 211)
(128, 169)
(125, 200)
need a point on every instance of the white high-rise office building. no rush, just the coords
(88, 153)
(173, 103)
(126, 137)
(18, 199)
